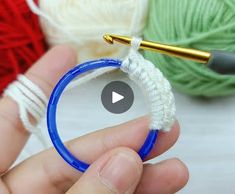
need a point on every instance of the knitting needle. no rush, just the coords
(219, 61)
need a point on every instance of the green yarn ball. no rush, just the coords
(200, 24)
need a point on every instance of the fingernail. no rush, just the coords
(120, 173)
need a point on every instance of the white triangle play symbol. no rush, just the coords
(116, 97)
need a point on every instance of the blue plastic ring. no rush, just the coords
(52, 106)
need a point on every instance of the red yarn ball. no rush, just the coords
(21, 40)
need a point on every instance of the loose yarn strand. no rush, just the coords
(86, 78)
(32, 102)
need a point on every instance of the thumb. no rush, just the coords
(117, 171)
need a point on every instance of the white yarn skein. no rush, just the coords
(155, 86)
(82, 24)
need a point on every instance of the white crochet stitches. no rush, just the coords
(155, 86)
(31, 101)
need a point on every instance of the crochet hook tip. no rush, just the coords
(108, 38)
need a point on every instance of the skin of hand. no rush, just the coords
(116, 167)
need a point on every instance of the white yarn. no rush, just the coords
(155, 86)
(83, 79)
(82, 24)
(31, 101)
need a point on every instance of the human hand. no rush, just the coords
(116, 167)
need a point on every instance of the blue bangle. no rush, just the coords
(52, 106)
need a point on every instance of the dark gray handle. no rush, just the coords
(222, 62)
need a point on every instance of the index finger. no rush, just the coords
(45, 73)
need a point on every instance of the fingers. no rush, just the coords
(166, 177)
(131, 134)
(117, 171)
(45, 73)
(165, 141)
(54, 175)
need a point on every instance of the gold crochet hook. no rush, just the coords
(186, 53)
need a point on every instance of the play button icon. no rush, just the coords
(117, 97)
